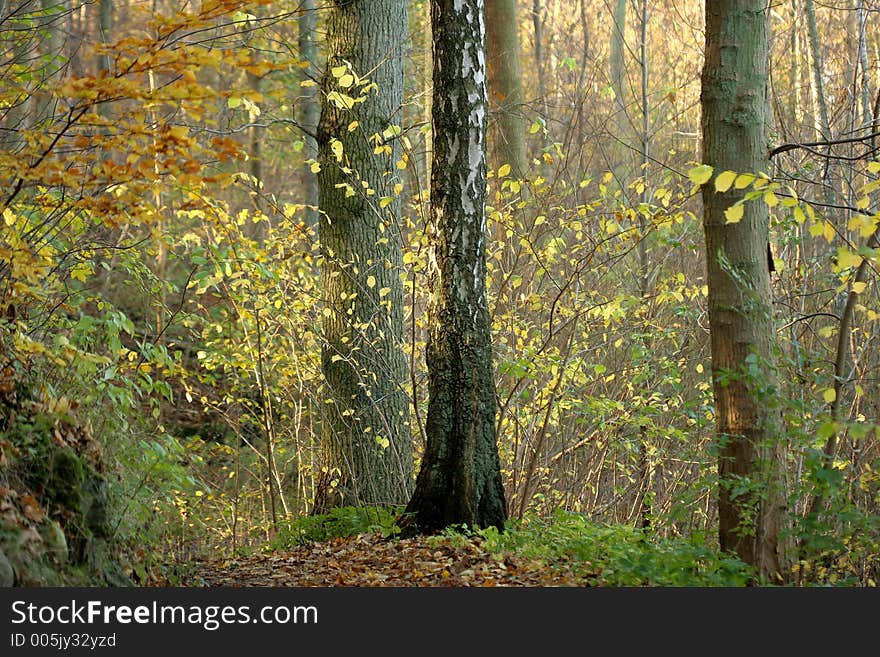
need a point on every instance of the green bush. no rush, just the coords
(616, 555)
(340, 522)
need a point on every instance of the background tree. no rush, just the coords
(734, 101)
(506, 102)
(367, 443)
(309, 109)
(459, 481)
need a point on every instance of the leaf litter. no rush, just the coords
(372, 560)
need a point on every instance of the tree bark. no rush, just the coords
(309, 109)
(505, 87)
(366, 443)
(617, 73)
(105, 26)
(460, 478)
(734, 105)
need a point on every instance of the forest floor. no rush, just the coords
(371, 560)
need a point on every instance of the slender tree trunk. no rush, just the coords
(105, 26)
(460, 477)
(505, 86)
(795, 72)
(823, 125)
(734, 104)
(617, 72)
(645, 498)
(538, 27)
(367, 443)
(308, 108)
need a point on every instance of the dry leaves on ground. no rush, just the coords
(370, 560)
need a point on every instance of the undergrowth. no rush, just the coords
(604, 555)
(615, 555)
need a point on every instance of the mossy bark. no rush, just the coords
(367, 443)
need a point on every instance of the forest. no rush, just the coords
(439, 293)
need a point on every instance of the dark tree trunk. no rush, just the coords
(460, 478)
(367, 443)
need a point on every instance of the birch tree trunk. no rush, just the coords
(460, 476)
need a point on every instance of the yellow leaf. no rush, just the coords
(335, 357)
(384, 291)
(847, 259)
(734, 213)
(346, 81)
(339, 71)
(724, 181)
(179, 131)
(828, 232)
(352, 126)
(371, 281)
(799, 215)
(874, 167)
(770, 199)
(743, 180)
(315, 167)
(862, 223)
(336, 148)
(700, 175)
(859, 287)
(8, 217)
(829, 395)
(503, 170)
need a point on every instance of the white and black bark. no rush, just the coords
(460, 478)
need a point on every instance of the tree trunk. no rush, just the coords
(460, 478)
(823, 125)
(367, 443)
(505, 86)
(734, 105)
(538, 27)
(309, 109)
(105, 25)
(617, 73)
